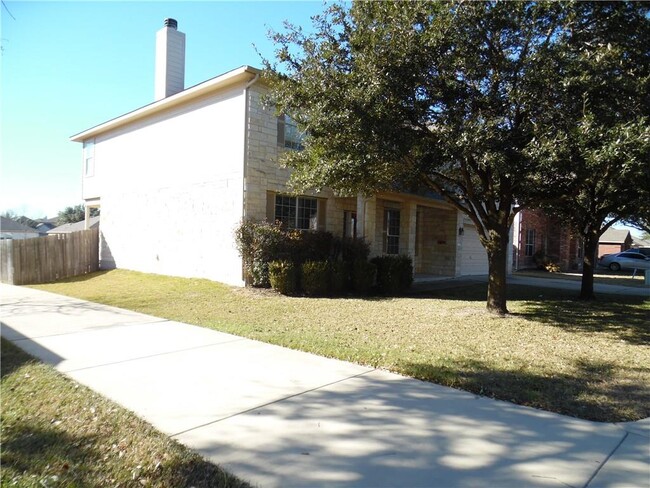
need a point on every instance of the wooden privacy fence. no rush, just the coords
(51, 258)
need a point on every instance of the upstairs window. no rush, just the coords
(89, 157)
(296, 212)
(288, 134)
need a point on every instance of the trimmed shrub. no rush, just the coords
(340, 277)
(313, 245)
(283, 277)
(354, 249)
(316, 278)
(394, 273)
(363, 277)
(259, 243)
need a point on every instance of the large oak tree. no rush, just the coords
(441, 95)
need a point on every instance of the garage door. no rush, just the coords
(473, 259)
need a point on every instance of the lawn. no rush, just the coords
(56, 432)
(588, 360)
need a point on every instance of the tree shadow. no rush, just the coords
(590, 392)
(383, 430)
(40, 452)
(626, 316)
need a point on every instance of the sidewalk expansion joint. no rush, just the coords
(165, 353)
(606, 460)
(288, 397)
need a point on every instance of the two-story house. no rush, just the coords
(174, 179)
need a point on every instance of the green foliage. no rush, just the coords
(363, 277)
(310, 245)
(340, 277)
(596, 146)
(444, 96)
(71, 215)
(316, 278)
(354, 249)
(283, 276)
(259, 243)
(394, 273)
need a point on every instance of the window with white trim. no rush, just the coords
(391, 230)
(288, 134)
(89, 157)
(530, 242)
(296, 212)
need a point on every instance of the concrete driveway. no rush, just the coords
(279, 417)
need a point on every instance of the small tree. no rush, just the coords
(70, 215)
(598, 138)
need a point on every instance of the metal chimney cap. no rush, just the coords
(171, 23)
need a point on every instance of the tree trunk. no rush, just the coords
(497, 251)
(588, 266)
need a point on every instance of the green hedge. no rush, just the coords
(316, 278)
(363, 277)
(394, 273)
(259, 243)
(283, 277)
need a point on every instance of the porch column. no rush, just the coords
(411, 212)
(367, 220)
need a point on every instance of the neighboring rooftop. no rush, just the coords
(8, 225)
(76, 227)
(614, 236)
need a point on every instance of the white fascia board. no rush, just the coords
(238, 75)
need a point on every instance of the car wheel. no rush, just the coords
(615, 267)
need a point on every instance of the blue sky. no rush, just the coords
(68, 66)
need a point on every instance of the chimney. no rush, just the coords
(170, 60)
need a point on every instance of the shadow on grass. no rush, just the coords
(38, 451)
(13, 358)
(590, 392)
(626, 316)
(43, 453)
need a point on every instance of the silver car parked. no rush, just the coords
(625, 260)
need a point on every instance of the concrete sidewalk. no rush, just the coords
(279, 417)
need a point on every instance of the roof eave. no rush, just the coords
(235, 76)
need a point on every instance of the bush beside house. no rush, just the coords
(317, 263)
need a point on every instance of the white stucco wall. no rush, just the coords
(171, 190)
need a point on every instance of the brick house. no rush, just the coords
(613, 241)
(535, 232)
(200, 160)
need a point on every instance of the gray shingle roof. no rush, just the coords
(77, 226)
(614, 236)
(8, 225)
